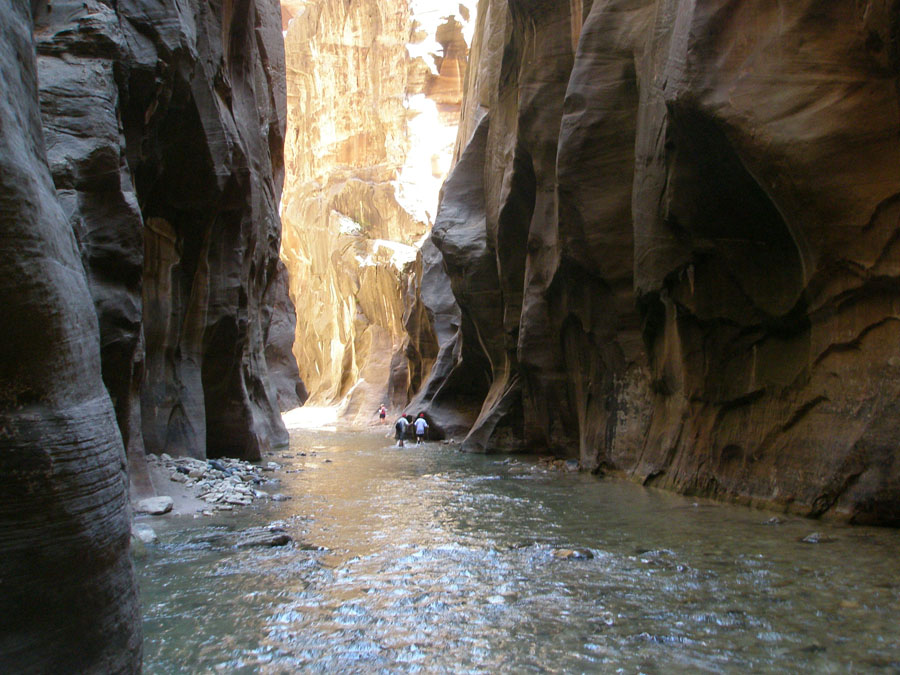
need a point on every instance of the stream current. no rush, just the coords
(429, 560)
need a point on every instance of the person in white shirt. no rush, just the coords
(421, 425)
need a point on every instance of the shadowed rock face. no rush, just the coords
(689, 215)
(164, 125)
(68, 601)
(283, 373)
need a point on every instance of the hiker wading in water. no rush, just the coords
(400, 430)
(421, 425)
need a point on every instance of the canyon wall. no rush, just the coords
(369, 126)
(672, 233)
(68, 600)
(164, 124)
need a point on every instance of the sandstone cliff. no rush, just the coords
(164, 126)
(369, 127)
(68, 601)
(672, 232)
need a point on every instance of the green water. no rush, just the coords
(428, 560)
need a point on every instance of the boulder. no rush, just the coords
(155, 506)
(143, 533)
(264, 537)
(572, 554)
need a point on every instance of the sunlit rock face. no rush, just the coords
(68, 599)
(164, 125)
(673, 234)
(371, 127)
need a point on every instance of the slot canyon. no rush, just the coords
(653, 244)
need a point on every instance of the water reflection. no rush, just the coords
(424, 559)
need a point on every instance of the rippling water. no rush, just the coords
(428, 560)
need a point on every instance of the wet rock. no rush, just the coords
(813, 648)
(279, 497)
(155, 506)
(817, 538)
(264, 537)
(144, 533)
(572, 554)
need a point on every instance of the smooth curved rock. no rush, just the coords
(284, 375)
(687, 254)
(165, 125)
(68, 601)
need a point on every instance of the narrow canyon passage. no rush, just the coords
(655, 241)
(427, 559)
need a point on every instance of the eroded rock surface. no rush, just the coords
(68, 601)
(672, 232)
(164, 125)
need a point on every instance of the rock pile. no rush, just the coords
(223, 483)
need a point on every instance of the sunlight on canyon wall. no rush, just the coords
(374, 92)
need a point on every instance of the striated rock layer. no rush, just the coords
(68, 600)
(672, 232)
(352, 212)
(164, 124)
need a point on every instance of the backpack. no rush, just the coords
(399, 427)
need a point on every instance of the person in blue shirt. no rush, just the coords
(421, 425)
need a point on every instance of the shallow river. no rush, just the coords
(428, 560)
